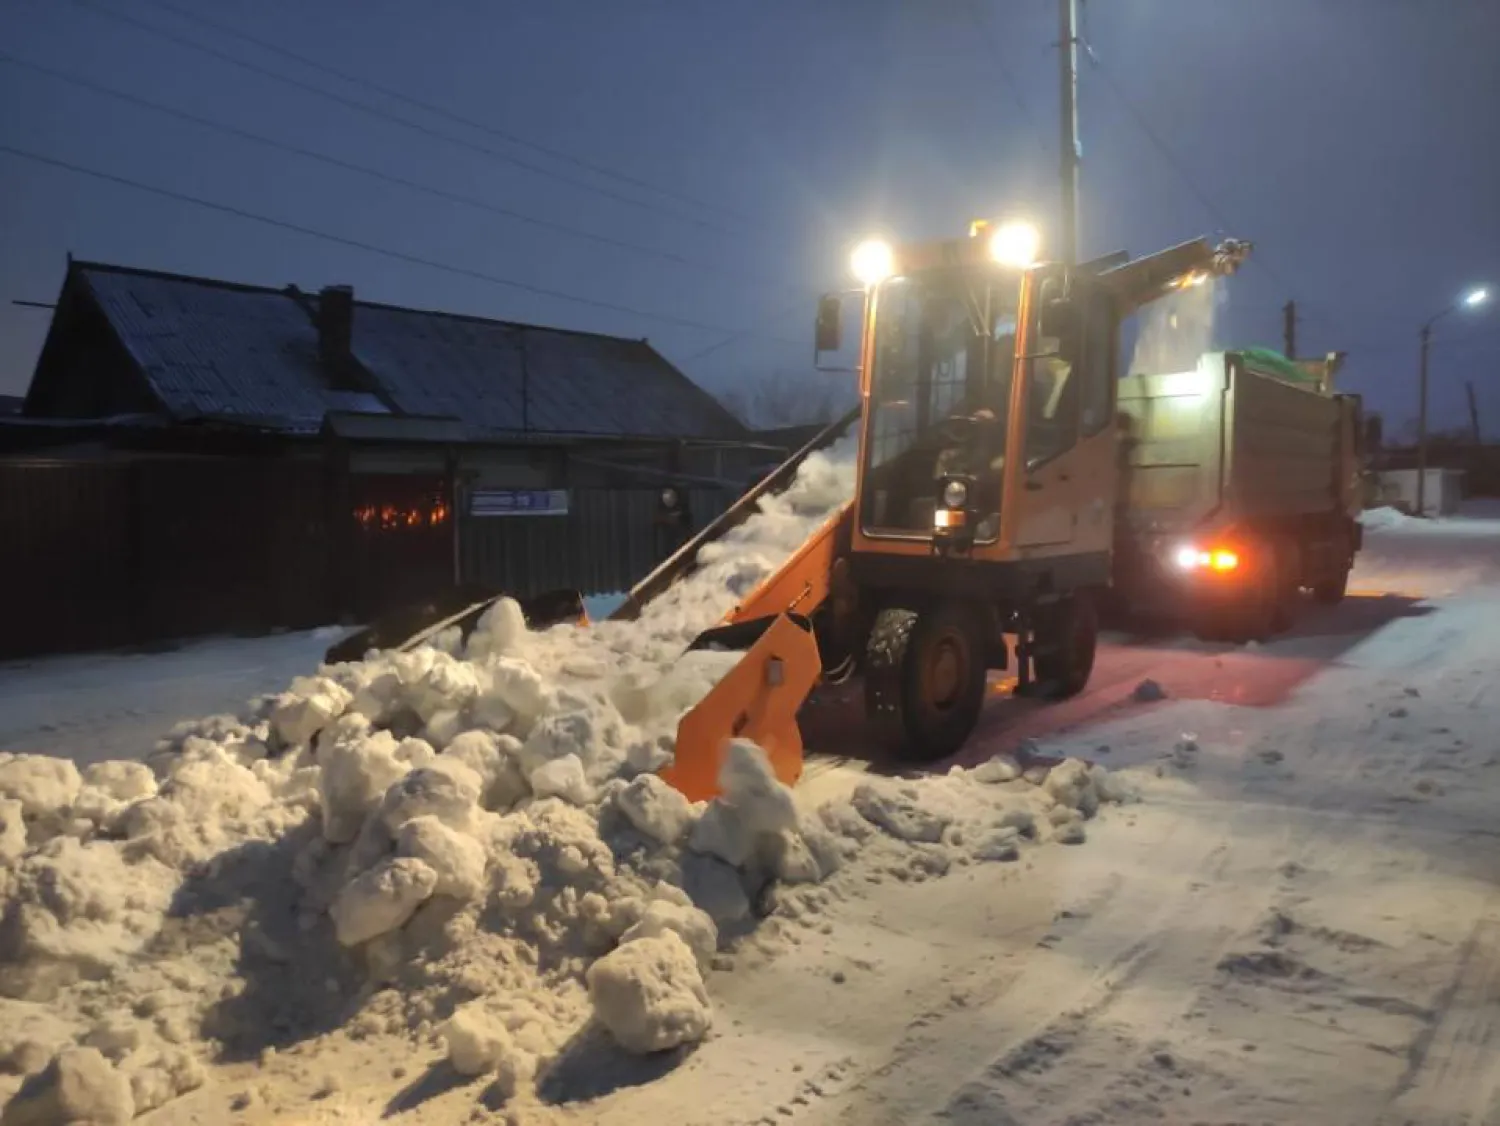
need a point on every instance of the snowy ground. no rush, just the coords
(109, 706)
(1297, 923)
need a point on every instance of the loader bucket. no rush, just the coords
(758, 700)
(409, 626)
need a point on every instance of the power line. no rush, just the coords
(441, 193)
(437, 110)
(745, 334)
(1178, 166)
(387, 252)
(1007, 75)
(384, 115)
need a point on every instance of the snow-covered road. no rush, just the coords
(1297, 923)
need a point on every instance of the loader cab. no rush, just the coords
(989, 396)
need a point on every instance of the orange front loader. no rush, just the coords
(916, 583)
(983, 510)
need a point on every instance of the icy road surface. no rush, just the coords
(1297, 923)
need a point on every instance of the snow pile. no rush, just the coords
(1385, 518)
(438, 843)
(463, 847)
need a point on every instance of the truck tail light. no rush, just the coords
(1220, 559)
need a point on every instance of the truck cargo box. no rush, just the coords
(1229, 443)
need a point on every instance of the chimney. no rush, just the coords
(336, 333)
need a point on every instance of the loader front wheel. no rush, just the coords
(1067, 639)
(925, 679)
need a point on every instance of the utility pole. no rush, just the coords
(1289, 329)
(1422, 422)
(1473, 413)
(1067, 14)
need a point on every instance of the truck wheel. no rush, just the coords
(1067, 638)
(1250, 612)
(1288, 571)
(925, 679)
(1331, 591)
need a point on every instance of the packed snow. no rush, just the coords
(466, 893)
(463, 847)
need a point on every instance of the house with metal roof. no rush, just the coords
(127, 341)
(222, 426)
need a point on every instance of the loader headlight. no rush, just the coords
(955, 494)
(873, 261)
(1015, 244)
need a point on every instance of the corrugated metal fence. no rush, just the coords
(606, 542)
(102, 554)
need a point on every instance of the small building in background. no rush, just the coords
(197, 456)
(1441, 496)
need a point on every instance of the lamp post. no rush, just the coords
(1471, 300)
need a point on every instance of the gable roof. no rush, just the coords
(220, 350)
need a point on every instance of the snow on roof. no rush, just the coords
(220, 349)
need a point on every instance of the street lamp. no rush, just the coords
(1471, 300)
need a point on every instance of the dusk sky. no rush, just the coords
(695, 171)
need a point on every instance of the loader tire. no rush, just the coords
(1067, 639)
(1331, 590)
(925, 679)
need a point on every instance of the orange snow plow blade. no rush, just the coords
(758, 700)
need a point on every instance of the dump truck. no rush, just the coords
(981, 533)
(1239, 489)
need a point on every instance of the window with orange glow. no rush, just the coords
(431, 513)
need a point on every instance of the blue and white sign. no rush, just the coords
(518, 502)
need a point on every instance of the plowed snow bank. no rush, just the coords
(463, 844)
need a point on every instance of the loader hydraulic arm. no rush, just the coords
(1138, 283)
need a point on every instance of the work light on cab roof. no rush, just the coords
(1014, 242)
(873, 261)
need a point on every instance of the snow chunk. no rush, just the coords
(78, 1088)
(1001, 768)
(499, 630)
(479, 1043)
(562, 778)
(1071, 784)
(382, 899)
(1384, 518)
(45, 786)
(649, 995)
(899, 815)
(716, 887)
(122, 781)
(494, 758)
(356, 774)
(751, 786)
(655, 808)
(520, 688)
(164, 1077)
(308, 706)
(688, 923)
(12, 831)
(1000, 845)
(1148, 691)
(721, 832)
(447, 790)
(557, 736)
(458, 859)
